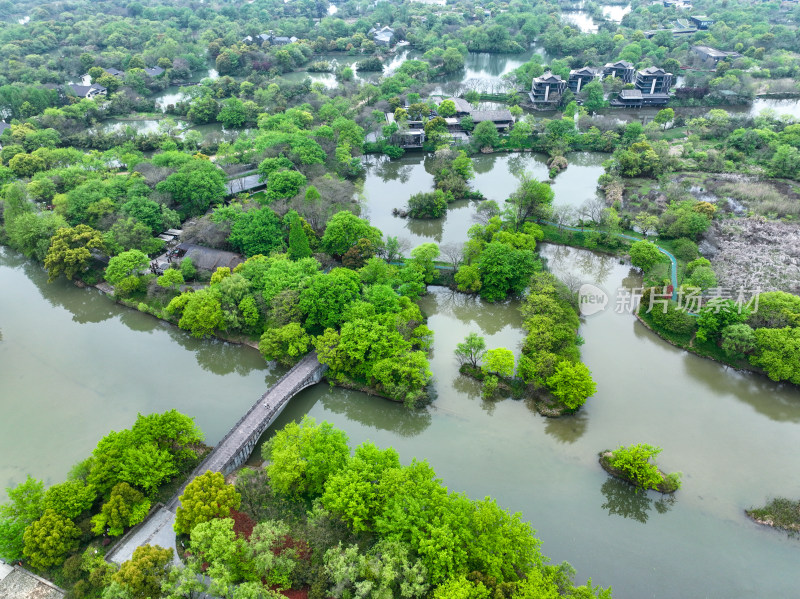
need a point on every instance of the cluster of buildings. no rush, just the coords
(684, 26)
(95, 89)
(274, 40)
(412, 135)
(651, 85)
(382, 36)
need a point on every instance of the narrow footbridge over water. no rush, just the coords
(231, 452)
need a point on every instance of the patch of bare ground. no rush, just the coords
(753, 253)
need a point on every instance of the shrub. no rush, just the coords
(685, 249)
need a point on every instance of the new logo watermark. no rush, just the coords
(591, 299)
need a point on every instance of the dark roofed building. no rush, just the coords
(702, 21)
(247, 183)
(154, 71)
(3, 126)
(208, 259)
(463, 108)
(578, 78)
(115, 72)
(88, 91)
(712, 54)
(622, 69)
(547, 89)
(653, 80)
(502, 119)
(631, 98)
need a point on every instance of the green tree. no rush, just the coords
(471, 351)
(499, 361)
(143, 574)
(645, 255)
(201, 312)
(69, 499)
(257, 232)
(232, 114)
(298, 241)
(125, 507)
(634, 462)
(205, 498)
(49, 540)
(718, 314)
(468, 278)
(326, 297)
(171, 279)
(343, 231)
(387, 570)
(738, 340)
(284, 184)
(485, 135)
(286, 344)
(30, 233)
(594, 96)
(778, 353)
(572, 384)
(504, 270)
(531, 200)
(428, 205)
(126, 264)
(27, 165)
(197, 184)
(664, 117)
(71, 250)
(203, 110)
(216, 543)
(447, 108)
(187, 269)
(301, 457)
(452, 60)
(24, 508)
(784, 163)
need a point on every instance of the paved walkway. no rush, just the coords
(229, 454)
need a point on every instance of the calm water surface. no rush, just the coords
(73, 365)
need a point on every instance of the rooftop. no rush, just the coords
(18, 583)
(548, 77)
(491, 115)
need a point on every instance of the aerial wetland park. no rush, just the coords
(398, 299)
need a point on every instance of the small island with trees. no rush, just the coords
(633, 464)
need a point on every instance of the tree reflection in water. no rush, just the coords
(623, 499)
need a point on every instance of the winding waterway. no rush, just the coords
(73, 365)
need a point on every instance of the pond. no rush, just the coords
(389, 184)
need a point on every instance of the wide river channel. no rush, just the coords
(74, 365)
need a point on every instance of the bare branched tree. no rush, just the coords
(453, 253)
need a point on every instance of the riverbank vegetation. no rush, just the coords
(633, 464)
(780, 513)
(326, 523)
(62, 532)
(317, 522)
